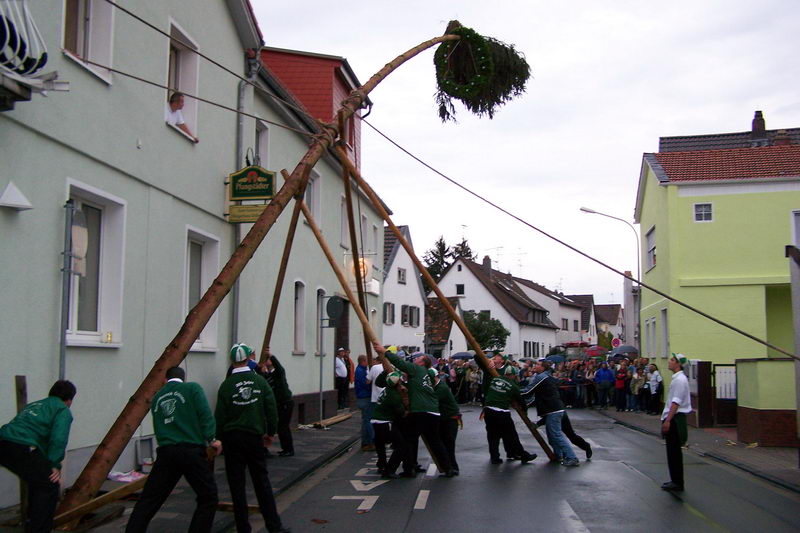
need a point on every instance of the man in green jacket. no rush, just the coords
(387, 421)
(247, 420)
(424, 411)
(184, 428)
(449, 419)
(33, 445)
(500, 392)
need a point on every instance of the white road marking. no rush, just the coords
(366, 501)
(422, 499)
(570, 518)
(367, 472)
(363, 486)
(372, 462)
(432, 471)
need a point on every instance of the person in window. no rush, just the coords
(174, 115)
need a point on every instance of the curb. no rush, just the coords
(230, 524)
(741, 466)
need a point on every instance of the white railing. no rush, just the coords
(725, 380)
(22, 49)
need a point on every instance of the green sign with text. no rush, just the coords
(251, 183)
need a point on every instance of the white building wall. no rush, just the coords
(401, 294)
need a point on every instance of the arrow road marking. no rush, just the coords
(367, 472)
(422, 499)
(366, 501)
(363, 486)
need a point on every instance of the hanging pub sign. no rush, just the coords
(251, 183)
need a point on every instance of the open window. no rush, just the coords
(183, 72)
(88, 33)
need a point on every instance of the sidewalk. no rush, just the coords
(777, 465)
(313, 448)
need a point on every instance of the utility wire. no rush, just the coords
(189, 47)
(576, 250)
(198, 98)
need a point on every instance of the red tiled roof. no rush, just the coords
(740, 163)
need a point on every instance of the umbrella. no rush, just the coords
(624, 349)
(556, 358)
(462, 355)
(596, 350)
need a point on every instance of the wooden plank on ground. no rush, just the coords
(111, 496)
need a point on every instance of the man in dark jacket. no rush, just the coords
(550, 407)
(275, 375)
(246, 421)
(33, 445)
(184, 427)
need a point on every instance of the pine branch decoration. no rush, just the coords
(481, 72)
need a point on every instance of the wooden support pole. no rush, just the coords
(480, 356)
(351, 224)
(276, 295)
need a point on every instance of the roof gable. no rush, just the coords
(438, 322)
(587, 301)
(608, 313)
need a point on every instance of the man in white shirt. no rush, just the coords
(174, 115)
(342, 377)
(677, 405)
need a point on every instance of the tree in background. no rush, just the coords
(489, 332)
(436, 260)
(462, 249)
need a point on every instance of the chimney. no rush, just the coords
(759, 126)
(781, 138)
(487, 265)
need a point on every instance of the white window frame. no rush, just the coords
(710, 212)
(188, 76)
(209, 268)
(405, 315)
(299, 318)
(262, 144)
(374, 239)
(388, 313)
(111, 272)
(650, 243)
(312, 198)
(463, 289)
(319, 332)
(401, 275)
(664, 347)
(344, 227)
(98, 45)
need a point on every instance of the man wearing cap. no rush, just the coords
(184, 427)
(33, 445)
(424, 411)
(247, 420)
(342, 377)
(677, 405)
(499, 392)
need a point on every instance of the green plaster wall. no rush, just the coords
(780, 329)
(766, 384)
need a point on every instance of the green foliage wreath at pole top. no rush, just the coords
(483, 73)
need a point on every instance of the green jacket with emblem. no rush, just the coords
(245, 402)
(181, 415)
(447, 402)
(500, 392)
(421, 396)
(43, 424)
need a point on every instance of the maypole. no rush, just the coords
(470, 81)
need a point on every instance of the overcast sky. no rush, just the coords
(609, 78)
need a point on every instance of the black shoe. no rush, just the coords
(455, 471)
(670, 486)
(449, 473)
(528, 457)
(408, 474)
(419, 468)
(389, 475)
(512, 457)
(284, 530)
(589, 453)
(496, 461)
(285, 453)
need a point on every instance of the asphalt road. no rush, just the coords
(618, 490)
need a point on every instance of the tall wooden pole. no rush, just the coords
(276, 295)
(480, 356)
(351, 224)
(110, 448)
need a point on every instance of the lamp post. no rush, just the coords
(637, 300)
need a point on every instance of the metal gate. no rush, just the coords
(724, 379)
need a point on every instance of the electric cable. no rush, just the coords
(578, 251)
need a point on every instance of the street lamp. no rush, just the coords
(637, 301)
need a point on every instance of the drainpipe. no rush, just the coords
(253, 65)
(66, 288)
